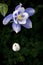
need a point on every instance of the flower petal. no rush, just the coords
(22, 9)
(30, 11)
(18, 6)
(16, 27)
(7, 19)
(25, 15)
(15, 12)
(28, 24)
(22, 22)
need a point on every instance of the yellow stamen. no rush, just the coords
(19, 17)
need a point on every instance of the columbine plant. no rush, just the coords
(20, 17)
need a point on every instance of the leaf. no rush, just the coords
(3, 9)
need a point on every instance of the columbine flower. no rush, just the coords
(16, 47)
(20, 17)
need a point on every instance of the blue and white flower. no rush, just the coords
(20, 17)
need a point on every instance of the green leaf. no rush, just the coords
(3, 9)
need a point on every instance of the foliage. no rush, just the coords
(31, 41)
(3, 9)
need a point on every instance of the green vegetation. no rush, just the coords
(30, 40)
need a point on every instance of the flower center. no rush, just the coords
(19, 17)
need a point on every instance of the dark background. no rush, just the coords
(30, 40)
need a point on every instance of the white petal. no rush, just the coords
(15, 21)
(22, 22)
(22, 9)
(25, 15)
(15, 12)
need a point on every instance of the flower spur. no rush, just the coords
(20, 17)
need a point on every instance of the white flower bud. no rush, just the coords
(16, 47)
